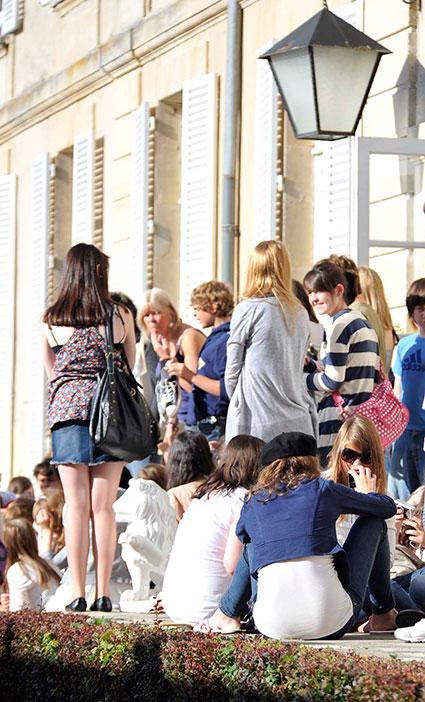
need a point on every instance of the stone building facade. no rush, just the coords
(112, 120)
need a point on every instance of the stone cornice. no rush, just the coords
(151, 37)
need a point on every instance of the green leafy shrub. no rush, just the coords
(61, 657)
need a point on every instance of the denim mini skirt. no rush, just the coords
(72, 443)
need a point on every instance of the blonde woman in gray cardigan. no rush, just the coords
(269, 335)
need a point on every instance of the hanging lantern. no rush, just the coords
(324, 71)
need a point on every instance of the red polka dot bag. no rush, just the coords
(383, 408)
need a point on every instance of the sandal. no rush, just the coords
(207, 627)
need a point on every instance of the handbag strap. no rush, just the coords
(109, 342)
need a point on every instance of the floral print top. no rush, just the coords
(77, 365)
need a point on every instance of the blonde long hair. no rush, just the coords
(361, 432)
(269, 271)
(21, 543)
(372, 290)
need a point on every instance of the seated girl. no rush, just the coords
(189, 463)
(30, 579)
(206, 550)
(47, 514)
(358, 443)
(308, 586)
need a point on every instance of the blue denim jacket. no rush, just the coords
(301, 523)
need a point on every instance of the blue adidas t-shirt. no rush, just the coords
(409, 363)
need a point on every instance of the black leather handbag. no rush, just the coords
(121, 422)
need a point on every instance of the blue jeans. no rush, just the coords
(368, 555)
(409, 590)
(407, 464)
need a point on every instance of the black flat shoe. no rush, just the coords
(102, 604)
(77, 605)
(408, 617)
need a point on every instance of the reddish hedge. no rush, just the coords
(58, 657)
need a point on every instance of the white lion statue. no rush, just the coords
(147, 541)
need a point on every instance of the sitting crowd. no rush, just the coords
(271, 511)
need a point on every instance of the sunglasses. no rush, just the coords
(350, 456)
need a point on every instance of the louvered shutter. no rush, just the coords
(83, 189)
(7, 315)
(139, 202)
(333, 179)
(12, 16)
(39, 232)
(265, 155)
(198, 185)
(97, 237)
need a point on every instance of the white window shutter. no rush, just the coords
(140, 202)
(265, 154)
(83, 189)
(7, 315)
(333, 178)
(39, 231)
(12, 16)
(198, 185)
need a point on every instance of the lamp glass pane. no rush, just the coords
(294, 74)
(342, 78)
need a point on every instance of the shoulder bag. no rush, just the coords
(383, 408)
(121, 422)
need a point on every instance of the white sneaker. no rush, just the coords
(414, 634)
(168, 397)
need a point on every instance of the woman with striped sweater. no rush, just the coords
(351, 364)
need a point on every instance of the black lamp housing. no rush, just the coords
(324, 71)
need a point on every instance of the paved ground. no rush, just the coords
(363, 644)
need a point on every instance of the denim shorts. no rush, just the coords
(72, 443)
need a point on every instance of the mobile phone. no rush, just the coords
(408, 510)
(351, 481)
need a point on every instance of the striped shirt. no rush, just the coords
(351, 367)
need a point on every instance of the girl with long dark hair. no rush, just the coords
(189, 463)
(73, 338)
(206, 550)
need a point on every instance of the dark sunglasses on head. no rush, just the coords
(349, 455)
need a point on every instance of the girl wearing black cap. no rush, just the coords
(308, 586)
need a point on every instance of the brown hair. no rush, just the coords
(53, 501)
(286, 474)
(324, 277)
(19, 484)
(21, 543)
(238, 466)
(363, 433)
(203, 296)
(415, 295)
(83, 296)
(344, 262)
(21, 508)
(155, 472)
(372, 290)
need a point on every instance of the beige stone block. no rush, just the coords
(385, 115)
(382, 19)
(120, 218)
(393, 69)
(126, 94)
(119, 265)
(118, 16)
(122, 136)
(121, 178)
